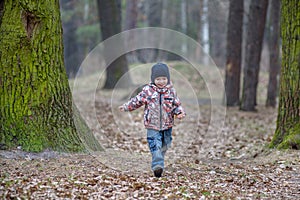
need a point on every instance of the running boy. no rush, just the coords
(161, 104)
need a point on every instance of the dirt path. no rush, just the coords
(231, 164)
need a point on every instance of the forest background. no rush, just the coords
(234, 164)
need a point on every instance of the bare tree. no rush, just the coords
(217, 31)
(72, 55)
(153, 12)
(255, 32)
(131, 14)
(131, 18)
(274, 52)
(110, 21)
(234, 52)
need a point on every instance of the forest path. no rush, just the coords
(242, 138)
(233, 164)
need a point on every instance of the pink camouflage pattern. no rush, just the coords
(161, 104)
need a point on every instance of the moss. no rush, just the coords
(35, 98)
(292, 140)
(287, 133)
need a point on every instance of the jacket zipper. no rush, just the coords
(160, 110)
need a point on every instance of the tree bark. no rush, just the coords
(217, 32)
(153, 10)
(130, 23)
(287, 134)
(110, 21)
(35, 100)
(234, 52)
(1, 10)
(255, 32)
(274, 53)
(131, 14)
(72, 56)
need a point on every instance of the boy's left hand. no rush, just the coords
(180, 116)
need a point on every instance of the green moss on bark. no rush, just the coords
(287, 132)
(35, 99)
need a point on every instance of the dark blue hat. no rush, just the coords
(158, 70)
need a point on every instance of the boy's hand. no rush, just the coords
(180, 116)
(121, 108)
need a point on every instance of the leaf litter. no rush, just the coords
(233, 164)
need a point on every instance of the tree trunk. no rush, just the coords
(199, 29)
(234, 52)
(131, 14)
(217, 32)
(130, 23)
(71, 50)
(1, 10)
(255, 32)
(110, 21)
(274, 52)
(153, 10)
(287, 134)
(183, 21)
(35, 100)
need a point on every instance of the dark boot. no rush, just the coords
(158, 172)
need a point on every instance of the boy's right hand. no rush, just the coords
(121, 108)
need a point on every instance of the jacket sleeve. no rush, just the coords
(177, 103)
(137, 101)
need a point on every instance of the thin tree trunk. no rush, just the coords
(200, 30)
(130, 23)
(287, 134)
(110, 21)
(71, 50)
(36, 110)
(217, 32)
(274, 53)
(131, 14)
(234, 52)
(153, 10)
(255, 32)
(183, 23)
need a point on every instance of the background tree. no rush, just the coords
(131, 16)
(287, 134)
(72, 55)
(81, 32)
(153, 13)
(35, 101)
(273, 43)
(217, 19)
(234, 52)
(255, 32)
(110, 21)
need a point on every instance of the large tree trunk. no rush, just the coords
(110, 21)
(234, 52)
(255, 32)
(274, 52)
(287, 134)
(35, 100)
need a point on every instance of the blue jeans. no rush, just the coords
(159, 142)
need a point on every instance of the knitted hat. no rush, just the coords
(160, 69)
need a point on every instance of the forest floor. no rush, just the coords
(231, 162)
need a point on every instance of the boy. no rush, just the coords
(161, 104)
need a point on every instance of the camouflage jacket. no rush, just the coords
(161, 104)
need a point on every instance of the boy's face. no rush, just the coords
(161, 81)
